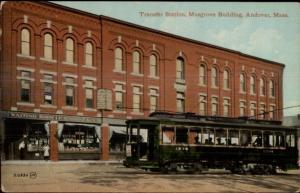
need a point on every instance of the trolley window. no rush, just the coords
(208, 136)
(279, 139)
(181, 135)
(290, 140)
(257, 138)
(221, 136)
(168, 134)
(245, 138)
(195, 136)
(268, 139)
(233, 137)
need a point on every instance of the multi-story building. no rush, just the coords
(70, 79)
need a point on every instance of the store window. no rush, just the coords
(214, 106)
(242, 83)
(25, 42)
(118, 59)
(136, 62)
(180, 102)
(70, 91)
(70, 50)
(48, 46)
(25, 86)
(214, 77)
(89, 94)
(48, 89)
(180, 69)
(202, 74)
(83, 138)
(226, 79)
(153, 66)
(38, 138)
(88, 54)
(202, 105)
(137, 99)
(153, 99)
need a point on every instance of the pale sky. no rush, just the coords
(272, 38)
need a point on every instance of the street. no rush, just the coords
(113, 177)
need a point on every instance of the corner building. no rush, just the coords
(71, 79)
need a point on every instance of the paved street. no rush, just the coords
(113, 177)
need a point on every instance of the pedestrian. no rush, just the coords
(46, 152)
(22, 149)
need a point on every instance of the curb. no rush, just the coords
(45, 162)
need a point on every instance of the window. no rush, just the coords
(168, 135)
(88, 54)
(136, 62)
(48, 46)
(181, 135)
(153, 99)
(252, 85)
(233, 137)
(208, 136)
(153, 66)
(70, 91)
(242, 108)
(202, 105)
(245, 138)
(262, 110)
(25, 86)
(253, 109)
(272, 88)
(118, 59)
(119, 97)
(226, 80)
(180, 102)
(214, 106)
(137, 99)
(48, 89)
(290, 140)
(202, 74)
(257, 140)
(214, 77)
(242, 83)
(25, 42)
(226, 105)
(262, 87)
(279, 139)
(269, 139)
(180, 69)
(221, 136)
(89, 94)
(70, 50)
(272, 112)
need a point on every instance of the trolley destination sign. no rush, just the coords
(50, 117)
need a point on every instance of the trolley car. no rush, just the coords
(193, 143)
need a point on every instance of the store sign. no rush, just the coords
(49, 117)
(104, 99)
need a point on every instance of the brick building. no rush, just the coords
(70, 79)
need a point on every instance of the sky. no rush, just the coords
(271, 38)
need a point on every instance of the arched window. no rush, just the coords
(136, 62)
(118, 59)
(272, 88)
(70, 50)
(214, 77)
(262, 87)
(48, 46)
(226, 79)
(202, 74)
(88, 54)
(252, 85)
(180, 68)
(242, 83)
(153, 66)
(25, 42)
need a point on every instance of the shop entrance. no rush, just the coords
(25, 139)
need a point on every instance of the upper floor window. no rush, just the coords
(202, 105)
(137, 97)
(153, 99)
(48, 89)
(180, 69)
(136, 62)
(70, 50)
(48, 46)
(214, 77)
(153, 66)
(252, 85)
(25, 42)
(226, 79)
(88, 54)
(180, 102)
(214, 106)
(262, 86)
(242, 83)
(119, 97)
(272, 112)
(25, 86)
(226, 109)
(202, 74)
(89, 94)
(70, 91)
(242, 108)
(118, 59)
(262, 110)
(253, 109)
(272, 88)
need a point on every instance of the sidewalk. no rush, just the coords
(31, 162)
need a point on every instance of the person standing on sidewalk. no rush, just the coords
(46, 152)
(22, 149)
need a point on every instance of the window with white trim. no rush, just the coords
(214, 77)
(202, 75)
(48, 89)
(88, 54)
(48, 46)
(272, 88)
(226, 108)
(226, 79)
(136, 62)
(262, 109)
(202, 104)
(180, 102)
(153, 66)
(118, 59)
(25, 42)
(252, 109)
(153, 99)
(119, 97)
(252, 85)
(180, 68)
(69, 50)
(25, 86)
(262, 87)
(89, 94)
(242, 108)
(70, 91)
(214, 106)
(272, 112)
(242, 83)
(137, 99)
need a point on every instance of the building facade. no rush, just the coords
(71, 79)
